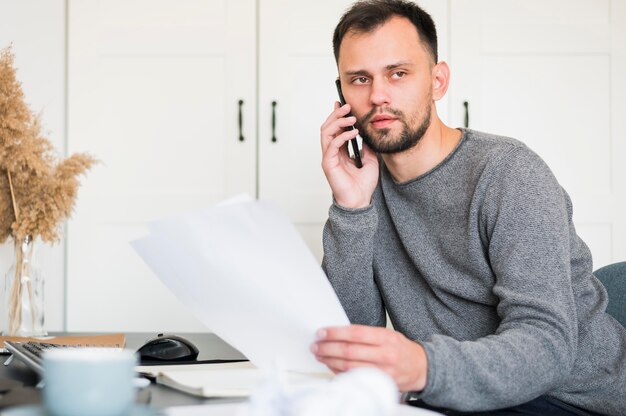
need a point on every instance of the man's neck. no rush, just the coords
(436, 144)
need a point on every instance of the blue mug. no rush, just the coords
(89, 381)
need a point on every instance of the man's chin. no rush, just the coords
(382, 146)
(388, 145)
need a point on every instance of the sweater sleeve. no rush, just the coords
(348, 255)
(524, 224)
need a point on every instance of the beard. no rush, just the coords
(382, 141)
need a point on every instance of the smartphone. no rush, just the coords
(353, 142)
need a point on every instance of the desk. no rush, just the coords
(210, 346)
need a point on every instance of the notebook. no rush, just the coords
(230, 380)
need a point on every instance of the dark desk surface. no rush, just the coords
(209, 345)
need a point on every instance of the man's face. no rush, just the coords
(387, 79)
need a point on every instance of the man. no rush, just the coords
(465, 239)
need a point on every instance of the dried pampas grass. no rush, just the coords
(37, 191)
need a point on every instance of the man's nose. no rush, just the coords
(379, 93)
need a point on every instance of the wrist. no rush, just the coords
(421, 376)
(352, 204)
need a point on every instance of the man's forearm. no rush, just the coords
(348, 255)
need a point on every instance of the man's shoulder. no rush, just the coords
(492, 142)
(494, 149)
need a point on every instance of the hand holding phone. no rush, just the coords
(353, 142)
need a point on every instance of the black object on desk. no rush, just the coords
(165, 348)
(174, 349)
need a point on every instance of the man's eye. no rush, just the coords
(398, 74)
(360, 80)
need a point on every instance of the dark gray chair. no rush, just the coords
(613, 277)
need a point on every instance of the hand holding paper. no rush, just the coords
(243, 270)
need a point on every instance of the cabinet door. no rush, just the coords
(297, 72)
(548, 73)
(154, 91)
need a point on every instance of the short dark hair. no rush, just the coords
(367, 15)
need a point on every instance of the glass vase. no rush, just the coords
(23, 292)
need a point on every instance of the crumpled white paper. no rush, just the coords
(358, 392)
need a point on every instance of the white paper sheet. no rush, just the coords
(244, 271)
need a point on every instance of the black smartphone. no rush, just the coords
(353, 142)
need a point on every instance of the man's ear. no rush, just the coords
(441, 80)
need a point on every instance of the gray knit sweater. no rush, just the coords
(478, 260)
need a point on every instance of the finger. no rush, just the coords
(338, 112)
(334, 370)
(354, 333)
(349, 351)
(333, 147)
(342, 152)
(329, 132)
(340, 366)
(344, 122)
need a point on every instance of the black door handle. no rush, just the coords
(241, 138)
(466, 120)
(274, 103)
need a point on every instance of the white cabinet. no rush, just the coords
(550, 73)
(154, 91)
